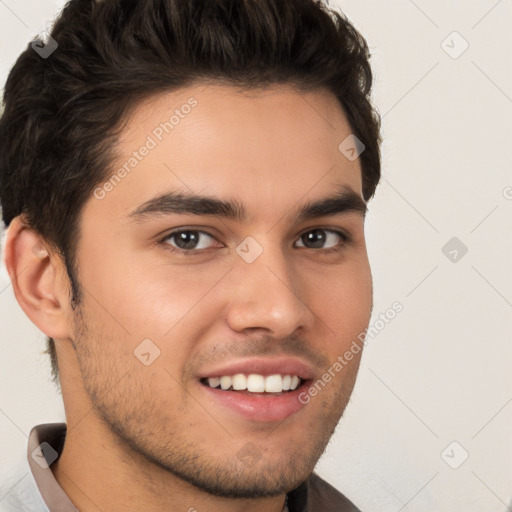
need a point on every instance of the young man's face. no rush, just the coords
(265, 295)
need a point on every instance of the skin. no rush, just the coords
(148, 434)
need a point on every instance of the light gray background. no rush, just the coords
(441, 370)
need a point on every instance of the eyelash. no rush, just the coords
(345, 237)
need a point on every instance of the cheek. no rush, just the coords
(167, 298)
(345, 303)
(144, 298)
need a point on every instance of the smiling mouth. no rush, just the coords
(255, 384)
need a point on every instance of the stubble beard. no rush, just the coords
(151, 437)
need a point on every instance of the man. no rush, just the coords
(185, 184)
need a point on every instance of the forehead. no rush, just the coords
(267, 148)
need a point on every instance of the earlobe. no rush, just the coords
(37, 279)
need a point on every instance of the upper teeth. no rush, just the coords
(256, 383)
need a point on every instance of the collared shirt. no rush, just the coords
(35, 489)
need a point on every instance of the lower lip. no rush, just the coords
(257, 407)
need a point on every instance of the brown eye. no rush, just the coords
(188, 240)
(316, 238)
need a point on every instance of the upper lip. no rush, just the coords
(262, 366)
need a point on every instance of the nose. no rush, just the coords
(268, 294)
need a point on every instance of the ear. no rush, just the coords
(39, 279)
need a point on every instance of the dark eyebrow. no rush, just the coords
(345, 200)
